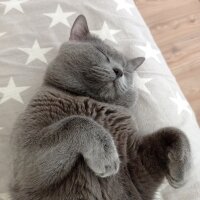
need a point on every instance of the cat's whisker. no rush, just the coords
(123, 86)
(96, 75)
(99, 73)
(100, 69)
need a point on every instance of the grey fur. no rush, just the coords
(77, 139)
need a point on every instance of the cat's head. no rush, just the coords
(85, 65)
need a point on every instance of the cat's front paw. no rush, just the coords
(103, 158)
(178, 159)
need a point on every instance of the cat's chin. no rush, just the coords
(127, 99)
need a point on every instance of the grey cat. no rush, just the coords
(76, 140)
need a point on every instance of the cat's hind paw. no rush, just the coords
(179, 159)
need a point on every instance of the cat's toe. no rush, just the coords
(104, 164)
(103, 158)
(110, 169)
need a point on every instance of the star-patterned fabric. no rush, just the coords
(13, 4)
(59, 17)
(36, 52)
(12, 92)
(30, 35)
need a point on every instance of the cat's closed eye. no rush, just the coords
(102, 52)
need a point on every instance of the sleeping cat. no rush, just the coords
(77, 140)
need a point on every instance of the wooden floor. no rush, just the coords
(175, 25)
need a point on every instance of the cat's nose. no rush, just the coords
(118, 72)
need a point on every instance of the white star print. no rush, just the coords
(182, 104)
(59, 17)
(1, 34)
(150, 52)
(141, 83)
(121, 4)
(36, 52)
(12, 92)
(106, 33)
(13, 4)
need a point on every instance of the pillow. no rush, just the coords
(32, 31)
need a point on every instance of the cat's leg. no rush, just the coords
(171, 148)
(59, 146)
(163, 154)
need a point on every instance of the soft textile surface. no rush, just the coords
(30, 34)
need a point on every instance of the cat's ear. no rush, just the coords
(136, 62)
(79, 29)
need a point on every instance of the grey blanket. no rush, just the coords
(30, 34)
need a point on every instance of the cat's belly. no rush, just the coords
(82, 184)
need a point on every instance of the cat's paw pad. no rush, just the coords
(179, 160)
(103, 160)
